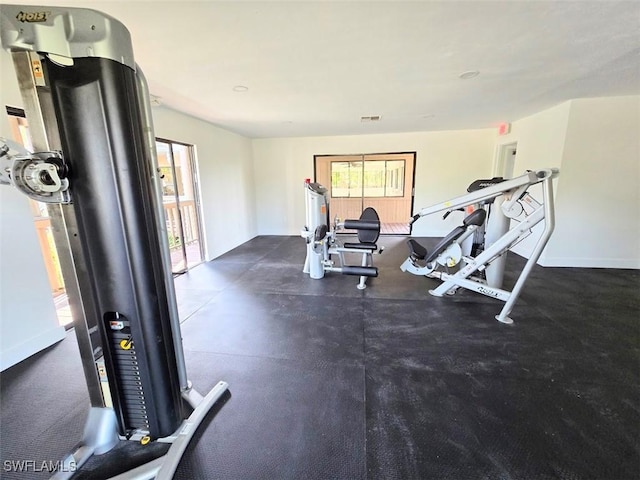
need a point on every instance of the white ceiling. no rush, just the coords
(315, 68)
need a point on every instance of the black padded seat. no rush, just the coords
(420, 253)
(445, 242)
(361, 246)
(321, 232)
(476, 218)
(417, 251)
(369, 236)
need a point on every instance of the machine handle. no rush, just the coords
(448, 212)
(360, 271)
(361, 225)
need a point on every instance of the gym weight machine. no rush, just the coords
(511, 204)
(87, 103)
(322, 243)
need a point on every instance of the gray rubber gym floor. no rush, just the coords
(330, 382)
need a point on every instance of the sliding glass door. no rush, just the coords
(181, 204)
(381, 181)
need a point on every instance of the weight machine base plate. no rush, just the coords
(506, 320)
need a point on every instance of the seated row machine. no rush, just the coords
(322, 242)
(509, 200)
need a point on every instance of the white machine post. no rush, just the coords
(549, 225)
(316, 213)
(497, 226)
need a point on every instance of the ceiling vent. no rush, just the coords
(370, 118)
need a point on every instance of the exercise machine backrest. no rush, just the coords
(419, 252)
(367, 226)
(475, 219)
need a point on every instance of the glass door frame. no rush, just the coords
(195, 184)
(410, 159)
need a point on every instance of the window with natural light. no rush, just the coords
(371, 178)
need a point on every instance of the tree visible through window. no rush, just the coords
(372, 178)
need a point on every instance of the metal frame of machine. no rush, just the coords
(512, 201)
(87, 104)
(322, 243)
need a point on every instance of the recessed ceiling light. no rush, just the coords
(240, 88)
(469, 74)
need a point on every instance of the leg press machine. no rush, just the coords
(513, 214)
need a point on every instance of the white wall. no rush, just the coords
(540, 139)
(225, 167)
(28, 321)
(595, 142)
(598, 201)
(447, 162)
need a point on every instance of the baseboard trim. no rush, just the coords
(621, 263)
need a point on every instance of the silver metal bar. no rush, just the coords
(165, 466)
(99, 437)
(487, 193)
(550, 222)
(500, 246)
(43, 128)
(339, 250)
(189, 427)
(362, 284)
(472, 285)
